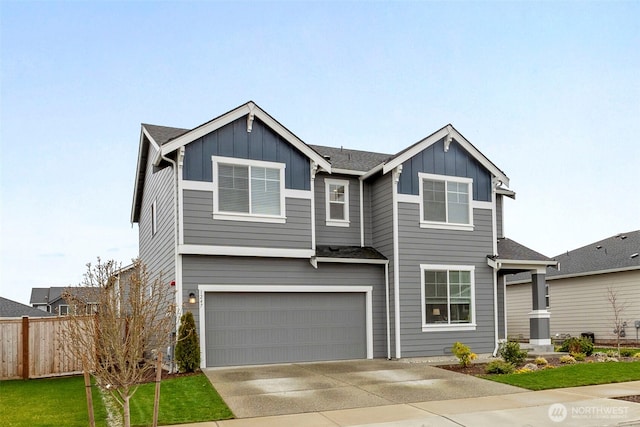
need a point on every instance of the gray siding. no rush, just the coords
(201, 229)
(501, 308)
(157, 251)
(432, 246)
(499, 213)
(382, 232)
(367, 214)
(455, 162)
(213, 270)
(330, 235)
(261, 143)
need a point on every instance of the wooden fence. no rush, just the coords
(36, 348)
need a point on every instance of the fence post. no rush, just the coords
(156, 400)
(25, 347)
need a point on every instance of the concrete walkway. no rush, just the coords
(570, 407)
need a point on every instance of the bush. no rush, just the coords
(499, 367)
(187, 347)
(580, 357)
(463, 353)
(637, 355)
(577, 345)
(511, 353)
(540, 361)
(627, 352)
(568, 360)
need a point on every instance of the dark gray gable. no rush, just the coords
(9, 308)
(261, 143)
(454, 162)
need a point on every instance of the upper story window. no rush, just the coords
(445, 202)
(449, 297)
(248, 190)
(337, 202)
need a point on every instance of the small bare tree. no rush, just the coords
(119, 320)
(617, 307)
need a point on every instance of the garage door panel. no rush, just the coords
(255, 328)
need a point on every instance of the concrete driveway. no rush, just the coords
(259, 391)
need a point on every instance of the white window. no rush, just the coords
(154, 220)
(337, 202)
(445, 202)
(248, 190)
(448, 297)
(63, 310)
(91, 308)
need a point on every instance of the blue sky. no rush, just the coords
(549, 91)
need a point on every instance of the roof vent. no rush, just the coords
(623, 237)
(599, 247)
(327, 157)
(634, 255)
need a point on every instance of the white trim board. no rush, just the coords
(245, 251)
(203, 289)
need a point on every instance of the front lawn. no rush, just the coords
(572, 375)
(62, 401)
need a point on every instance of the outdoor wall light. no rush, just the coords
(192, 298)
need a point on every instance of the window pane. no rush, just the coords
(458, 197)
(336, 193)
(336, 211)
(265, 191)
(435, 291)
(433, 193)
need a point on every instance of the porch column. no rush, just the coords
(539, 332)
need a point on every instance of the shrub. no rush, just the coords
(577, 345)
(540, 361)
(463, 353)
(511, 353)
(611, 353)
(637, 355)
(187, 347)
(499, 367)
(567, 359)
(580, 357)
(627, 352)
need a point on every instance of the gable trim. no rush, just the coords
(451, 132)
(248, 109)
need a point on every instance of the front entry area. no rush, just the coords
(251, 328)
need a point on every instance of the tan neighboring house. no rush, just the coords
(577, 291)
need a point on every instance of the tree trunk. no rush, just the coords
(125, 410)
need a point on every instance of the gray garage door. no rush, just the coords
(255, 328)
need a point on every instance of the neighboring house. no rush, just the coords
(9, 308)
(578, 290)
(289, 252)
(50, 299)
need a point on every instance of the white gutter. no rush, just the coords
(386, 283)
(396, 258)
(494, 226)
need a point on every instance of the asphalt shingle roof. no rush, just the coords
(615, 252)
(353, 252)
(163, 134)
(9, 308)
(510, 249)
(355, 160)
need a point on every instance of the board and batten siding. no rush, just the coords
(157, 251)
(448, 247)
(233, 140)
(579, 304)
(332, 235)
(201, 229)
(218, 270)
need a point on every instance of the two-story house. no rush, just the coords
(288, 252)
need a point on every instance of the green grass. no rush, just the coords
(187, 399)
(48, 402)
(572, 375)
(62, 402)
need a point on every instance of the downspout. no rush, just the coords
(396, 258)
(314, 170)
(361, 212)
(178, 277)
(494, 226)
(386, 283)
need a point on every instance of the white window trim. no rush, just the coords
(327, 202)
(60, 310)
(236, 216)
(154, 218)
(445, 225)
(448, 327)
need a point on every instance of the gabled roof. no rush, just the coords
(54, 293)
(10, 308)
(348, 252)
(446, 132)
(512, 250)
(351, 160)
(615, 253)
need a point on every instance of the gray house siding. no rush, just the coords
(201, 229)
(233, 140)
(455, 162)
(432, 246)
(218, 270)
(382, 232)
(157, 250)
(331, 235)
(367, 214)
